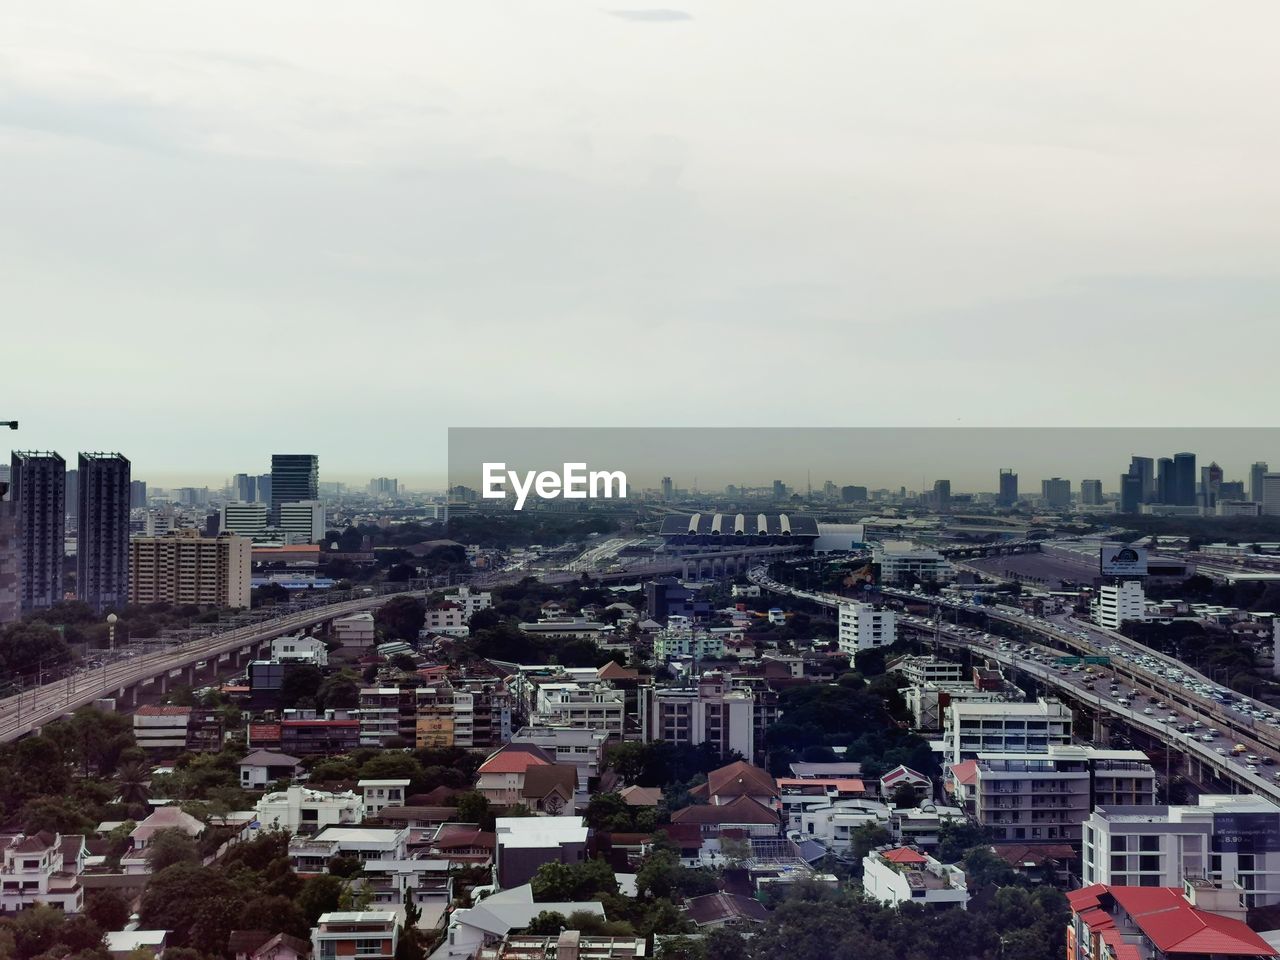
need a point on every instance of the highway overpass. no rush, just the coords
(128, 679)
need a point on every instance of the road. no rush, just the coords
(22, 713)
(1143, 680)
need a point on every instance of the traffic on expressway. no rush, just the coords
(1236, 736)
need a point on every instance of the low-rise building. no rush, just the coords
(971, 728)
(501, 778)
(567, 945)
(41, 868)
(899, 875)
(300, 649)
(484, 925)
(1118, 603)
(382, 793)
(301, 810)
(525, 843)
(1200, 919)
(355, 630)
(904, 563)
(367, 934)
(264, 767)
(161, 727)
(1226, 838)
(312, 854)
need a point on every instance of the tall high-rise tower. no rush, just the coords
(1008, 494)
(39, 483)
(102, 531)
(295, 477)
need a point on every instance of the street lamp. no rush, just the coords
(111, 631)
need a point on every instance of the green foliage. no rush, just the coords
(108, 908)
(401, 617)
(320, 894)
(473, 807)
(168, 847)
(659, 763)
(566, 882)
(957, 837)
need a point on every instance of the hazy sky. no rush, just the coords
(231, 228)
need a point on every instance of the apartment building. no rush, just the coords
(367, 934)
(905, 563)
(730, 716)
(355, 630)
(681, 639)
(1118, 603)
(1046, 797)
(971, 728)
(446, 618)
(184, 567)
(161, 727)
(471, 713)
(917, 671)
(864, 626)
(379, 794)
(246, 519)
(592, 705)
(1226, 838)
(578, 747)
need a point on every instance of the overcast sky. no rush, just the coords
(232, 228)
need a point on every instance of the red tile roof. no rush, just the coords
(159, 710)
(741, 779)
(516, 758)
(742, 810)
(904, 855)
(965, 772)
(1168, 920)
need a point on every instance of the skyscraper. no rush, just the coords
(942, 495)
(72, 493)
(1008, 494)
(10, 556)
(295, 477)
(1164, 480)
(1056, 492)
(1144, 468)
(1091, 493)
(1256, 473)
(1270, 494)
(1184, 479)
(137, 493)
(1210, 481)
(1130, 492)
(102, 537)
(39, 491)
(244, 488)
(666, 488)
(263, 489)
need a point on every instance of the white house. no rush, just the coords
(263, 767)
(302, 810)
(300, 649)
(354, 630)
(42, 868)
(493, 917)
(864, 626)
(382, 793)
(902, 875)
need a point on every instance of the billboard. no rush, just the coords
(1246, 832)
(1119, 560)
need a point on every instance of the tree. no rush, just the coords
(168, 847)
(301, 682)
(133, 783)
(566, 882)
(319, 894)
(175, 897)
(401, 618)
(345, 867)
(473, 807)
(864, 839)
(109, 909)
(277, 914)
(548, 923)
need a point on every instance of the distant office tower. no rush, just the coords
(942, 494)
(302, 522)
(244, 488)
(667, 487)
(1184, 479)
(10, 556)
(184, 567)
(295, 477)
(853, 494)
(1130, 493)
(137, 493)
(384, 487)
(193, 496)
(246, 519)
(1256, 473)
(1231, 490)
(1008, 494)
(263, 489)
(39, 493)
(779, 490)
(102, 538)
(1164, 480)
(1091, 493)
(1271, 494)
(1056, 492)
(1144, 468)
(1210, 481)
(4, 472)
(72, 493)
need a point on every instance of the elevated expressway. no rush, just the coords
(126, 680)
(1053, 640)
